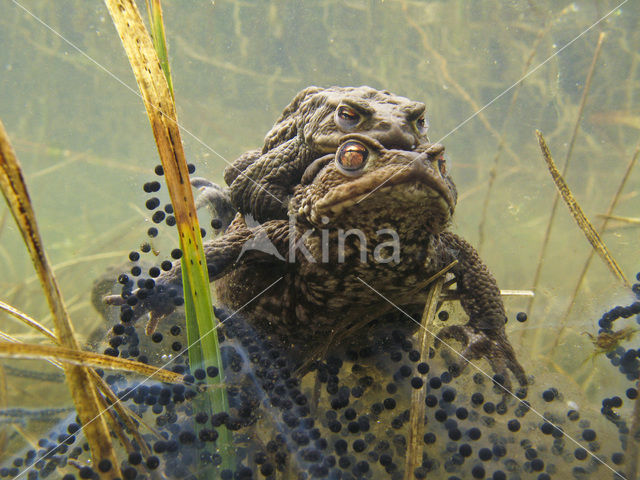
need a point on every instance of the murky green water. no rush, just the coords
(490, 72)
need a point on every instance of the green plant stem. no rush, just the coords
(154, 9)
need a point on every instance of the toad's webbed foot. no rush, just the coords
(489, 344)
(159, 302)
(160, 297)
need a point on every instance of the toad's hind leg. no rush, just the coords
(478, 344)
(484, 335)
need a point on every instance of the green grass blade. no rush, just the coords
(204, 353)
(156, 23)
(160, 107)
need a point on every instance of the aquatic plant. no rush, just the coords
(154, 81)
(255, 79)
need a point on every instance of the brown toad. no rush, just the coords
(364, 230)
(262, 181)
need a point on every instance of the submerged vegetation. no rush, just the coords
(491, 73)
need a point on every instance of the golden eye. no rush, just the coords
(352, 156)
(348, 115)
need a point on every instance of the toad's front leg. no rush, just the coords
(264, 242)
(484, 334)
(263, 188)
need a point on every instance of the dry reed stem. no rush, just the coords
(14, 312)
(449, 295)
(12, 339)
(616, 117)
(161, 111)
(157, 100)
(107, 239)
(585, 94)
(45, 150)
(586, 383)
(631, 78)
(444, 69)
(579, 216)
(89, 359)
(83, 389)
(469, 192)
(9, 338)
(545, 360)
(601, 229)
(59, 267)
(128, 417)
(413, 458)
(631, 220)
(493, 172)
(189, 51)
(53, 377)
(556, 199)
(113, 423)
(26, 435)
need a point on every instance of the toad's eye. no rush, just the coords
(347, 117)
(421, 124)
(352, 156)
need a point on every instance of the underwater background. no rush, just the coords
(490, 73)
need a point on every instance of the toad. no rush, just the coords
(262, 181)
(364, 229)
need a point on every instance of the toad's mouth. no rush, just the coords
(413, 185)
